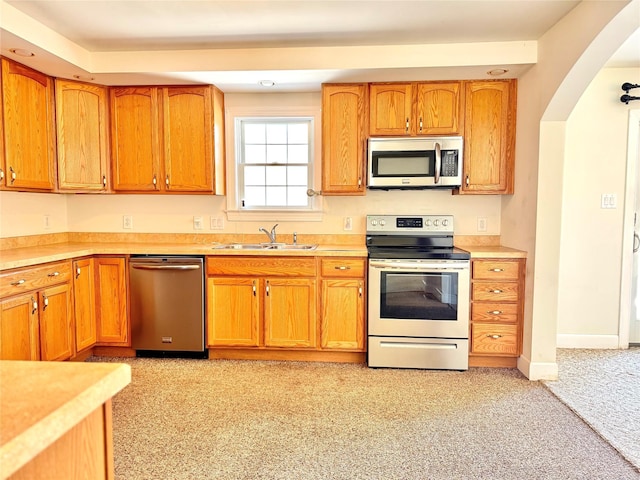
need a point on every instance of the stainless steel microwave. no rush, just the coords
(414, 162)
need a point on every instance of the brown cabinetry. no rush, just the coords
(28, 132)
(84, 304)
(342, 322)
(82, 134)
(265, 302)
(344, 136)
(111, 297)
(36, 313)
(167, 139)
(427, 108)
(489, 137)
(497, 302)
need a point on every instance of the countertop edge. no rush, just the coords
(25, 446)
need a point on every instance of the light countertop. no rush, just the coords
(40, 401)
(492, 251)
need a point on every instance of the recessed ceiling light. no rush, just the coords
(267, 83)
(22, 52)
(84, 78)
(496, 72)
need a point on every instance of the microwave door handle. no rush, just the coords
(438, 163)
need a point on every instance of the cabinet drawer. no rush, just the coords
(34, 278)
(494, 312)
(342, 267)
(494, 339)
(495, 291)
(495, 270)
(262, 266)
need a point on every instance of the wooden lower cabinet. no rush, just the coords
(233, 312)
(497, 307)
(112, 313)
(84, 303)
(290, 312)
(19, 329)
(56, 336)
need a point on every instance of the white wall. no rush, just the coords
(23, 213)
(591, 239)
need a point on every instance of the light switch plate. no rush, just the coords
(127, 222)
(609, 200)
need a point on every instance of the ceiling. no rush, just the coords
(252, 34)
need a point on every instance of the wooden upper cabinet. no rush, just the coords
(167, 139)
(81, 122)
(391, 109)
(489, 137)
(344, 137)
(135, 147)
(28, 128)
(439, 108)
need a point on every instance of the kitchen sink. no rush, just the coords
(266, 246)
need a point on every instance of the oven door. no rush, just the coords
(419, 298)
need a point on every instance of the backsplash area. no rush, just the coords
(43, 213)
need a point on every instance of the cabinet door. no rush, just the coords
(19, 337)
(390, 109)
(489, 126)
(344, 134)
(84, 303)
(56, 336)
(188, 139)
(112, 319)
(439, 108)
(135, 142)
(342, 324)
(233, 312)
(81, 119)
(28, 114)
(290, 312)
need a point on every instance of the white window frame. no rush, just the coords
(234, 210)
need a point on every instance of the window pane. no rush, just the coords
(277, 196)
(276, 153)
(254, 175)
(298, 133)
(254, 154)
(254, 197)
(276, 176)
(277, 133)
(297, 176)
(298, 153)
(254, 133)
(298, 196)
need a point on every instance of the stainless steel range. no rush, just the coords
(418, 299)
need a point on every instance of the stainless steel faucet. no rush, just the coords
(271, 235)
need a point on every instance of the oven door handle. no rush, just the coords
(417, 266)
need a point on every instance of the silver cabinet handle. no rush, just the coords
(34, 306)
(268, 288)
(1, 174)
(166, 267)
(104, 180)
(54, 274)
(45, 302)
(19, 282)
(495, 312)
(166, 181)
(254, 288)
(407, 125)
(495, 336)
(360, 290)
(421, 124)
(155, 181)
(78, 272)
(496, 269)
(343, 267)
(467, 181)
(13, 174)
(495, 291)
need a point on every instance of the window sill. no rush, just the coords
(276, 215)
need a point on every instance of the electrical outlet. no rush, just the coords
(46, 221)
(127, 222)
(482, 224)
(348, 223)
(197, 223)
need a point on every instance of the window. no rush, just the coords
(274, 157)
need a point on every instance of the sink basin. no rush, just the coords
(266, 246)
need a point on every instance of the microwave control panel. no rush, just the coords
(449, 166)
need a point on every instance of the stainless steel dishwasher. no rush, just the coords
(167, 306)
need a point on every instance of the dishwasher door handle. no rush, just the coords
(166, 267)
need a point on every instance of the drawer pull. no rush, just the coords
(54, 274)
(19, 282)
(495, 312)
(496, 269)
(495, 336)
(342, 267)
(360, 290)
(495, 291)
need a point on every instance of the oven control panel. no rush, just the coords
(409, 224)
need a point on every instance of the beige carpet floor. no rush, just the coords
(603, 388)
(202, 419)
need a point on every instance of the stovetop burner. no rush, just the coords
(412, 237)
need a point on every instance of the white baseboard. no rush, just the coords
(587, 341)
(535, 371)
